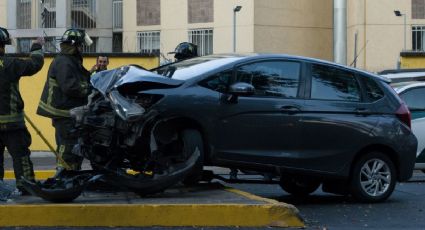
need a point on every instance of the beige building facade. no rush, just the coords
(375, 35)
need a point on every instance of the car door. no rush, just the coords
(414, 97)
(262, 128)
(335, 121)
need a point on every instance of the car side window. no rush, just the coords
(373, 91)
(329, 83)
(218, 82)
(414, 98)
(271, 78)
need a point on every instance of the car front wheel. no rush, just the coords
(192, 141)
(373, 178)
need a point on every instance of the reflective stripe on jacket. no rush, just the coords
(11, 70)
(66, 87)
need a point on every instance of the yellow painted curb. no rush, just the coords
(39, 174)
(272, 213)
(148, 215)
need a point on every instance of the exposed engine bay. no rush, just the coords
(125, 139)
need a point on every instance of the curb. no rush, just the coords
(271, 213)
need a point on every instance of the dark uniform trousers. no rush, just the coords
(65, 142)
(17, 143)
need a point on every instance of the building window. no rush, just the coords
(117, 14)
(418, 38)
(48, 14)
(23, 16)
(92, 48)
(200, 11)
(83, 13)
(148, 42)
(51, 45)
(203, 38)
(148, 12)
(418, 9)
(23, 45)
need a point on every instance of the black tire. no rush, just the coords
(423, 170)
(192, 141)
(379, 172)
(299, 187)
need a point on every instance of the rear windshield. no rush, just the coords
(193, 67)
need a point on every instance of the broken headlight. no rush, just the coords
(126, 109)
(147, 100)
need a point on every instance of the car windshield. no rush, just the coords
(193, 67)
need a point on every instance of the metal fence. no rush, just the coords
(203, 38)
(117, 14)
(148, 41)
(23, 16)
(83, 13)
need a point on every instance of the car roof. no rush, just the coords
(399, 87)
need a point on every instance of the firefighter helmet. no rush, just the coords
(185, 50)
(4, 37)
(73, 36)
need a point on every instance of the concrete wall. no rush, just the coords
(174, 25)
(302, 27)
(31, 88)
(380, 32)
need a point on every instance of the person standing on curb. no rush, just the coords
(14, 134)
(66, 87)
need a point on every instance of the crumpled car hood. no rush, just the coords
(131, 79)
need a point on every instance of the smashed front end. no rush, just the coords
(117, 135)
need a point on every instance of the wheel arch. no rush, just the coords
(389, 152)
(172, 126)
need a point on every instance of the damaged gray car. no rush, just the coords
(299, 122)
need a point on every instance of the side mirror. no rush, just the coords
(241, 89)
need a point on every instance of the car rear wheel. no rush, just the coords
(298, 187)
(423, 170)
(192, 141)
(373, 178)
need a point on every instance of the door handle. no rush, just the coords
(289, 109)
(362, 111)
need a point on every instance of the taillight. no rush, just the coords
(403, 114)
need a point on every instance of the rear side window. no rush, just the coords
(329, 83)
(414, 98)
(373, 91)
(271, 78)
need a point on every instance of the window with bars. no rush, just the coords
(83, 13)
(24, 45)
(48, 14)
(117, 14)
(51, 45)
(203, 38)
(23, 16)
(92, 48)
(149, 41)
(418, 38)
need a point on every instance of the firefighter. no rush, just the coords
(66, 87)
(14, 134)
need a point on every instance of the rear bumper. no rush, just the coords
(407, 158)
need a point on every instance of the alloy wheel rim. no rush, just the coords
(375, 177)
